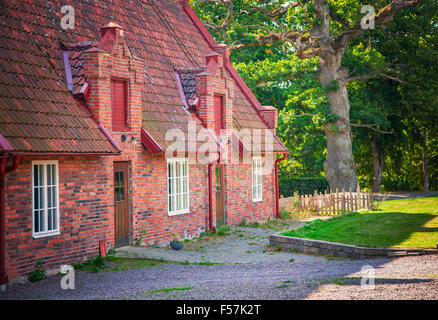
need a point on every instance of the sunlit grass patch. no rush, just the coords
(411, 223)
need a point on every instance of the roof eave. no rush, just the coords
(149, 142)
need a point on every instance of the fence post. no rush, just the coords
(371, 199)
(296, 200)
(320, 205)
(343, 201)
(351, 200)
(358, 196)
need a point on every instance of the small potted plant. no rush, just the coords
(175, 243)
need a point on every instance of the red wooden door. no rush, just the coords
(220, 212)
(121, 204)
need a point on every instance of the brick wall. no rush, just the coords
(239, 195)
(86, 183)
(86, 211)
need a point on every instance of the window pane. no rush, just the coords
(55, 218)
(41, 198)
(41, 175)
(36, 217)
(36, 199)
(178, 185)
(49, 174)
(186, 201)
(41, 220)
(49, 220)
(35, 175)
(178, 169)
(116, 180)
(55, 203)
(49, 197)
(178, 202)
(170, 170)
(117, 194)
(170, 186)
(185, 165)
(172, 203)
(122, 193)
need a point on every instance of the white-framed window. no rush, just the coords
(257, 179)
(45, 198)
(178, 186)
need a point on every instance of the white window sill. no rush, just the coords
(257, 200)
(46, 234)
(177, 213)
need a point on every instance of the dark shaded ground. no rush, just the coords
(402, 278)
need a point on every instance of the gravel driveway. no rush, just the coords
(402, 278)
(241, 245)
(246, 271)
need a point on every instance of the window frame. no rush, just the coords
(173, 162)
(56, 231)
(255, 184)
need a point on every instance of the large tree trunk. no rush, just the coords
(426, 184)
(378, 165)
(340, 169)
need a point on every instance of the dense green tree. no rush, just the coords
(319, 30)
(393, 144)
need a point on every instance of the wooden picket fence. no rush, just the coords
(334, 203)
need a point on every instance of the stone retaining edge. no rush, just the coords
(341, 250)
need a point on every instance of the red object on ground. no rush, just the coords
(102, 249)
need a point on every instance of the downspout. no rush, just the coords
(210, 197)
(277, 194)
(210, 192)
(3, 171)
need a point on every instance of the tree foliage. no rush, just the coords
(392, 82)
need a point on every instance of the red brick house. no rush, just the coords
(85, 116)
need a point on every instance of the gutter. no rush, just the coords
(210, 193)
(210, 197)
(3, 171)
(277, 193)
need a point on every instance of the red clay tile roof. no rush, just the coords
(37, 111)
(188, 80)
(76, 64)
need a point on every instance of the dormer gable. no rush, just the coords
(115, 79)
(215, 91)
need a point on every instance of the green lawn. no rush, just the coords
(411, 223)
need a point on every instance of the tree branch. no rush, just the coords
(301, 115)
(372, 127)
(384, 16)
(223, 27)
(280, 10)
(372, 76)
